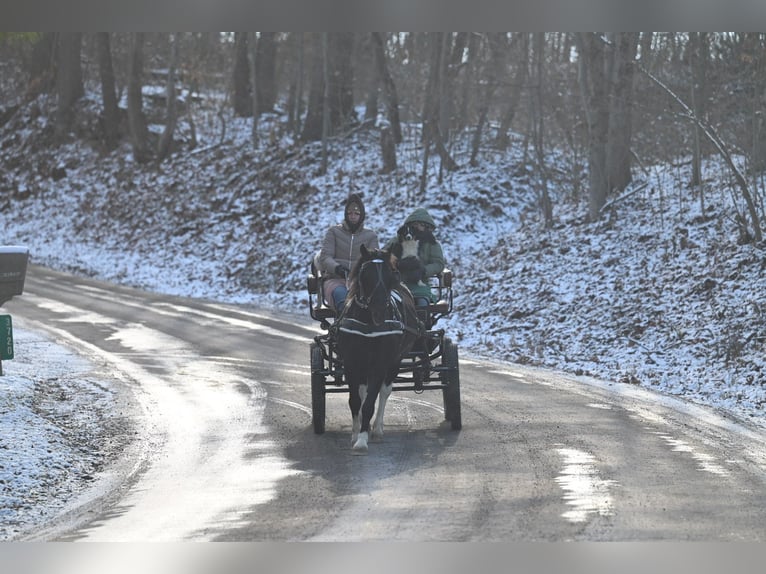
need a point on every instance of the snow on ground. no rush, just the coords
(60, 426)
(660, 293)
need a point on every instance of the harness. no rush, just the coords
(396, 325)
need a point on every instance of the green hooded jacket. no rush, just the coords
(430, 254)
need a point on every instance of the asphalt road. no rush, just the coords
(227, 450)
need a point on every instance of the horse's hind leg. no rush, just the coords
(377, 425)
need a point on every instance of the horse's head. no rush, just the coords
(372, 279)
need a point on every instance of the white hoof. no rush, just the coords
(360, 446)
(377, 435)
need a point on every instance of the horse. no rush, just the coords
(376, 328)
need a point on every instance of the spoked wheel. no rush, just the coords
(451, 377)
(317, 389)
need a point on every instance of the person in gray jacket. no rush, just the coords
(341, 248)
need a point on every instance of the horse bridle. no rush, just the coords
(364, 300)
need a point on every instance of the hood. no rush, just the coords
(354, 198)
(420, 214)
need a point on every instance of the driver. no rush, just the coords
(341, 250)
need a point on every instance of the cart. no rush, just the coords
(431, 365)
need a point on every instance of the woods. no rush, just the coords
(612, 103)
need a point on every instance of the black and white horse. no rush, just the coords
(377, 327)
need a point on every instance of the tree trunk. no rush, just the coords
(42, 65)
(340, 47)
(621, 111)
(326, 118)
(367, 78)
(520, 78)
(243, 101)
(536, 106)
(166, 139)
(699, 57)
(646, 49)
(593, 86)
(255, 88)
(469, 81)
(108, 91)
(265, 66)
(69, 84)
(295, 93)
(433, 106)
(312, 126)
(388, 149)
(389, 87)
(136, 120)
(491, 75)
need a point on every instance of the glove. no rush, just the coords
(341, 271)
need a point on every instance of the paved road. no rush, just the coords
(227, 450)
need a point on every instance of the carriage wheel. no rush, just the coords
(317, 389)
(451, 377)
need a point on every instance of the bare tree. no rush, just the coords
(136, 120)
(390, 129)
(254, 90)
(517, 84)
(340, 76)
(475, 43)
(536, 97)
(265, 70)
(433, 107)
(712, 136)
(389, 87)
(492, 73)
(325, 100)
(242, 99)
(69, 84)
(333, 53)
(42, 65)
(700, 54)
(108, 91)
(312, 125)
(171, 106)
(295, 94)
(623, 55)
(594, 90)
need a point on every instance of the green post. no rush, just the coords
(6, 340)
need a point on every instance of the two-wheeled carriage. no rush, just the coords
(431, 364)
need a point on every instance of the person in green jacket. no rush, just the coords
(429, 260)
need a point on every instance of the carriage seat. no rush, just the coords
(441, 286)
(318, 307)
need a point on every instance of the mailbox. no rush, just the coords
(13, 270)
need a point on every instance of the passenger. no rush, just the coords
(341, 249)
(430, 257)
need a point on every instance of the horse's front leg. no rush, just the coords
(368, 409)
(377, 425)
(355, 401)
